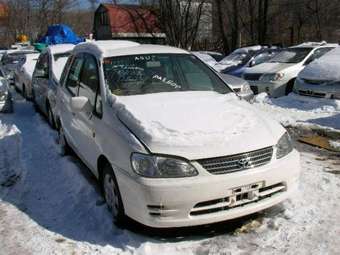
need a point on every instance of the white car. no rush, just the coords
(46, 79)
(321, 77)
(23, 75)
(171, 144)
(277, 76)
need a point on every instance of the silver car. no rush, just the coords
(321, 77)
(46, 77)
(241, 87)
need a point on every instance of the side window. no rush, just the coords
(72, 81)
(65, 70)
(42, 68)
(89, 83)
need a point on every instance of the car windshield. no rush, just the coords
(153, 73)
(263, 57)
(14, 58)
(291, 55)
(235, 57)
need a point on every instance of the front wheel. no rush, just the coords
(64, 148)
(112, 195)
(50, 116)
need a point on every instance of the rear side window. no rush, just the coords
(74, 76)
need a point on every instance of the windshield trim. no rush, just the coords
(211, 70)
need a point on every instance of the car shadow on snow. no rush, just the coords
(331, 121)
(62, 196)
(304, 103)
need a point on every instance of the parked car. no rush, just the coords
(12, 60)
(238, 56)
(277, 76)
(216, 55)
(6, 103)
(169, 141)
(46, 78)
(256, 58)
(240, 86)
(321, 77)
(207, 59)
(23, 75)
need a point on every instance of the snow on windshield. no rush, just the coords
(325, 68)
(292, 55)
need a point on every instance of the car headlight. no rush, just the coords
(245, 89)
(284, 146)
(161, 167)
(3, 95)
(272, 77)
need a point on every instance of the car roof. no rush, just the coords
(60, 48)
(112, 48)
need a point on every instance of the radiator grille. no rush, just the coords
(238, 162)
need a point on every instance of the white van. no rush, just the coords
(170, 142)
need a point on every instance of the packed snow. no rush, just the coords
(161, 123)
(325, 68)
(294, 110)
(56, 208)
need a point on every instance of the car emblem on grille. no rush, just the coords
(244, 163)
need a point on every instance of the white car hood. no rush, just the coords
(270, 67)
(196, 125)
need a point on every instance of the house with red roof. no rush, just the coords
(127, 22)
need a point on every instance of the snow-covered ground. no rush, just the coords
(294, 110)
(56, 208)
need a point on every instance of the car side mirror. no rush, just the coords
(80, 104)
(252, 63)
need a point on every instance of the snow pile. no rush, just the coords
(325, 68)
(295, 110)
(335, 145)
(194, 121)
(10, 164)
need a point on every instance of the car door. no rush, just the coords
(40, 80)
(68, 90)
(89, 87)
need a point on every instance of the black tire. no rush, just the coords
(64, 147)
(50, 116)
(112, 195)
(289, 87)
(24, 93)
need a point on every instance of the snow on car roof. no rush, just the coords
(103, 49)
(60, 48)
(315, 45)
(325, 68)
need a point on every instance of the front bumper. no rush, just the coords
(273, 89)
(207, 198)
(313, 90)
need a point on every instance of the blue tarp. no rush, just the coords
(58, 34)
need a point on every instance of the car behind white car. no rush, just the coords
(171, 144)
(321, 78)
(23, 75)
(277, 76)
(46, 79)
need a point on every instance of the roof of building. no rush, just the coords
(131, 19)
(112, 48)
